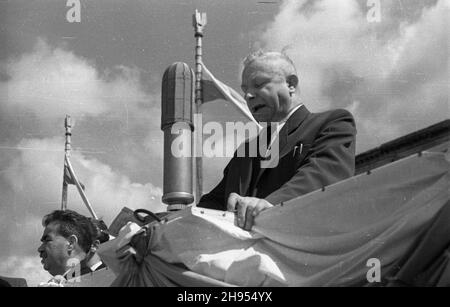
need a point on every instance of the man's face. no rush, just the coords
(54, 250)
(267, 91)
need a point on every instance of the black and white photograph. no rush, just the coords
(221, 143)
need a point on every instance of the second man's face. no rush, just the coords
(54, 250)
(266, 91)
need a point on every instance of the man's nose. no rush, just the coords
(40, 248)
(249, 96)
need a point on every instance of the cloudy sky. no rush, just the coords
(390, 70)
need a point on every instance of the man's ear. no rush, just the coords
(292, 81)
(73, 240)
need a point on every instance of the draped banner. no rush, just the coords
(325, 238)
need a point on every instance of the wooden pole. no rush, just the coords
(67, 148)
(199, 22)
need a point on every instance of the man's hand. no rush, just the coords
(247, 208)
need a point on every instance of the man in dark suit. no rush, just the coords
(314, 149)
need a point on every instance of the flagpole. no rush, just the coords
(67, 148)
(199, 22)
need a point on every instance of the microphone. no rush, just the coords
(176, 122)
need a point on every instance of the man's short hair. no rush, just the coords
(72, 223)
(271, 55)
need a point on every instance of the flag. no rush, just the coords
(71, 178)
(69, 175)
(214, 89)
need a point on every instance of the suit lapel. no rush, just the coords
(287, 137)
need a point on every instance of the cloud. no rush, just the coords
(52, 82)
(25, 267)
(392, 75)
(111, 110)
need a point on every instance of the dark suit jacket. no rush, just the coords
(316, 150)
